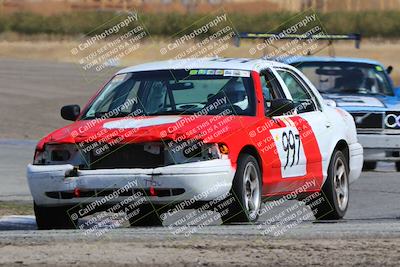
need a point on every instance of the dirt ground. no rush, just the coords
(203, 251)
(385, 51)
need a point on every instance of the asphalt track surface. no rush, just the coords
(369, 234)
(374, 196)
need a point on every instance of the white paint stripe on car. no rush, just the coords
(139, 123)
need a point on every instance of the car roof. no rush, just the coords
(250, 64)
(333, 59)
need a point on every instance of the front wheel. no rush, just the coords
(335, 191)
(398, 166)
(245, 192)
(369, 165)
(54, 217)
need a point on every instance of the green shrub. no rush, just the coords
(370, 24)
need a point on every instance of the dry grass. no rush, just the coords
(387, 52)
(249, 6)
(15, 208)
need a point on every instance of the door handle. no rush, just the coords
(328, 124)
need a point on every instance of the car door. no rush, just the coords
(304, 136)
(279, 142)
(264, 139)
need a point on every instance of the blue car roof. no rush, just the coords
(335, 59)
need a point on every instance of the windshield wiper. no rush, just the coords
(171, 112)
(349, 92)
(381, 94)
(103, 114)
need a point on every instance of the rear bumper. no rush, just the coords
(199, 181)
(377, 146)
(355, 161)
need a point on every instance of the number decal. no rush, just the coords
(290, 151)
(291, 145)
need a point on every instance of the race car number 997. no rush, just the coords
(290, 151)
(291, 145)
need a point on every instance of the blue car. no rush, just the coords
(363, 88)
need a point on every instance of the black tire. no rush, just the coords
(369, 165)
(48, 218)
(144, 215)
(327, 206)
(238, 210)
(398, 166)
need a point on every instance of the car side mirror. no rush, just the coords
(389, 69)
(330, 102)
(281, 106)
(70, 112)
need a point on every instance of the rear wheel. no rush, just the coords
(144, 215)
(369, 165)
(335, 191)
(54, 217)
(246, 192)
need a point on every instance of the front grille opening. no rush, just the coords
(127, 156)
(365, 120)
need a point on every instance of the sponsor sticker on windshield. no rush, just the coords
(378, 68)
(210, 72)
(232, 73)
(237, 73)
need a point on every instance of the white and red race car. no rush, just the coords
(253, 129)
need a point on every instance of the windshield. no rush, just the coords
(174, 92)
(347, 77)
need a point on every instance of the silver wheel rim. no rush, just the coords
(340, 183)
(251, 190)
